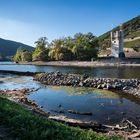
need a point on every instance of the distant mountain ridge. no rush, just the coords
(9, 48)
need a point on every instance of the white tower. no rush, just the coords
(117, 44)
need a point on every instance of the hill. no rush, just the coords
(8, 48)
(131, 34)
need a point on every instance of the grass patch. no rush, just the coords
(132, 44)
(133, 34)
(27, 126)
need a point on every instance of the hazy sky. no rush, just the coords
(27, 20)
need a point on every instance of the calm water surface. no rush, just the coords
(115, 72)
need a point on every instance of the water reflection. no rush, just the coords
(79, 91)
(106, 107)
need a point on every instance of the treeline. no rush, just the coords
(82, 47)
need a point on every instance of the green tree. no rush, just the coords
(80, 47)
(55, 50)
(41, 52)
(22, 55)
(85, 46)
(17, 56)
(26, 56)
(58, 51)
(68, 42)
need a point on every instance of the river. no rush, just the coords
(112, 72)
(106, 107)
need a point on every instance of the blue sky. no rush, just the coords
(27, 20)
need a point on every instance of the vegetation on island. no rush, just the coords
(24, 125)
(82, 47)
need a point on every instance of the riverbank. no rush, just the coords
(20, 123)
(18, 97)
(98, 63)
(18, 107)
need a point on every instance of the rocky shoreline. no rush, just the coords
(129, 86)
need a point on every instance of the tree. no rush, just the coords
(55, 50)
(80, 47)
(22, 55)
(26, 56)
(68, 42)
(41, 52)
(58, 51)
(85, 47)
(17, 56)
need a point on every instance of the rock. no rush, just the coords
(99, 86)
(126, 88)
(85, 76)
(103, 86)
(81, 84)
(108, 87)
(57, 74)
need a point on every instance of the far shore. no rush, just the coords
(86, 63)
